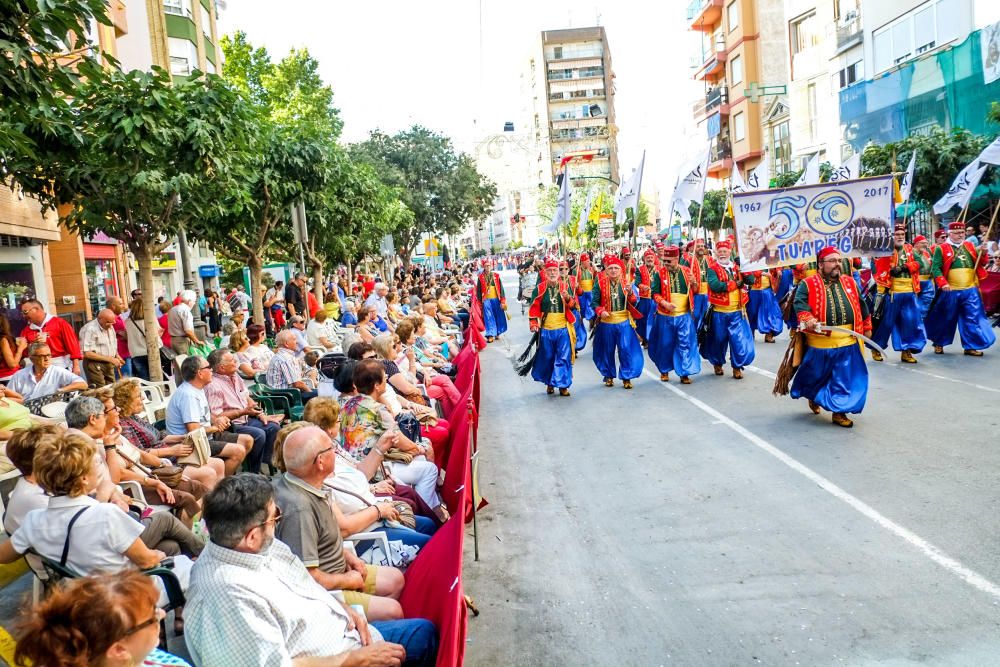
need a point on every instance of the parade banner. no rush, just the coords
(789, 226)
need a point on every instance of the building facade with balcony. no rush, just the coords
(579, 110)
(738, 50)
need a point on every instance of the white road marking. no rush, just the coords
(761, 371)
(971, 577)
(943, 377)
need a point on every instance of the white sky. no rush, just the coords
(392, 64)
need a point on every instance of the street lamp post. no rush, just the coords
(187, 273)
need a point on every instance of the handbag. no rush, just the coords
(170, 475)
(409, 426)
(398, 456)
(406, 517)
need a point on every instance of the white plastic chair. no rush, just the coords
(135, 489)
(377, 536)
(56, 410)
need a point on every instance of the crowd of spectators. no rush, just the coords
(274, 535)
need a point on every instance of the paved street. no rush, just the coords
(714, 524)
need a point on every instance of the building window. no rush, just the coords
(736, 70)
(925, 28)
(178, 8)
(557, 53)
(206, 21)
(805, 33)
(781, 147)
(210, 67)
(739, 127)
(813, 110)
(578, 93)
(591, 71)
(733, 15)
(852, 74)
(183, 56)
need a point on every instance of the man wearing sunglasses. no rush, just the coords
(42, 378)
(252, 601)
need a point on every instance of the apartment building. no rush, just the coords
(921, 64)
(741, 50)
(579, 110)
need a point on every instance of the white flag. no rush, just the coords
(628, 192)
(848, 171)
(991, 153)
(962, 187)
(760, 177)
(810, 175)
(563, 206)
(736, 182)
(581, 225)
(906, 185)
(680, 207)
(691, 185)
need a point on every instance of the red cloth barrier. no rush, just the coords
(434, 591)
(990, 289)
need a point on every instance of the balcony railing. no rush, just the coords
(849, 32)
(720, 151)
(714, 98)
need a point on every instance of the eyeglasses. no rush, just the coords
(158, 614)
(40, 356)
(321, 453)
(25, 311)
(113, 409)
(276, 519)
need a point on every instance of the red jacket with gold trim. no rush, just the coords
(604, 284)
(535, 309)
(883, 265)
(817, 302)
(482, 287)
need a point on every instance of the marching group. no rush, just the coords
(682, 306)
(256, 534)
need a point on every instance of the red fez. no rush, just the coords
(724, 245)
(689, 246)
(551, 263)
(610, 259)
(955, 226)
(672, 251)
(626, 251)
(649, 253)
(826, 252)
(900, 227)
(939, 233)
(920, 238)
(584, 257)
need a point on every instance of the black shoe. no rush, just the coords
(550, 390)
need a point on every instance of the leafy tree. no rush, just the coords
(993, 116)
(143, 156)
(291, 158)
(570, 231)
(714, 205)
(37, 76)
(940, 156)
(443, 190)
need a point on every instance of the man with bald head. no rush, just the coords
(100, 349)
(309, 528)
(117, 306)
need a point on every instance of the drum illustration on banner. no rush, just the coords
(790, 225)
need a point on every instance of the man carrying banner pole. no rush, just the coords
(584, 284)
(898, 280)
(729, 328)
(763, 309)
(695, 258)
(832, 374)
(551, 315)
(643, 282)
(614, 304)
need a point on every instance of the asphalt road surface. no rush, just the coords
(715, 524)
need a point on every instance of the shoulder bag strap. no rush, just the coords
(69, 531)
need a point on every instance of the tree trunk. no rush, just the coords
(256, 266)
(144, 257)
(350, 276)
(317, 268)
(404, 254)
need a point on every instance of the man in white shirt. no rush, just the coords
(252, 602)
(180, 324)
(318, 332)
(100, 349)
(42, 378)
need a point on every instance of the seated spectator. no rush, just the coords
(439, 386)
(41, 378)
(297, 326)
(26, 495)
(310, 528)
(434, 334)
(331, 305)
(13, 415)
(188, 411)
(366, 326)
(138, 431)
(349, 316)
(104, 620)
(447, 308)
(129, 463)
(100, 349)
(354, 495)
(247, 585)
(229, 397)
(318, 334)
(11, 349)
(284, 371)
(255, 355)
(104, 538)
(310, 374)
(427, 354)
(363, 420)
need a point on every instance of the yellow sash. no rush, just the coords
(961, 278)
(616, 317)
(703, 289)
(681, 301)
(734, 303)
(587, 285)
(900, 285)
(924, 277)
(764, 283)
(810, 272)
(491, 293)
(834, 340)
